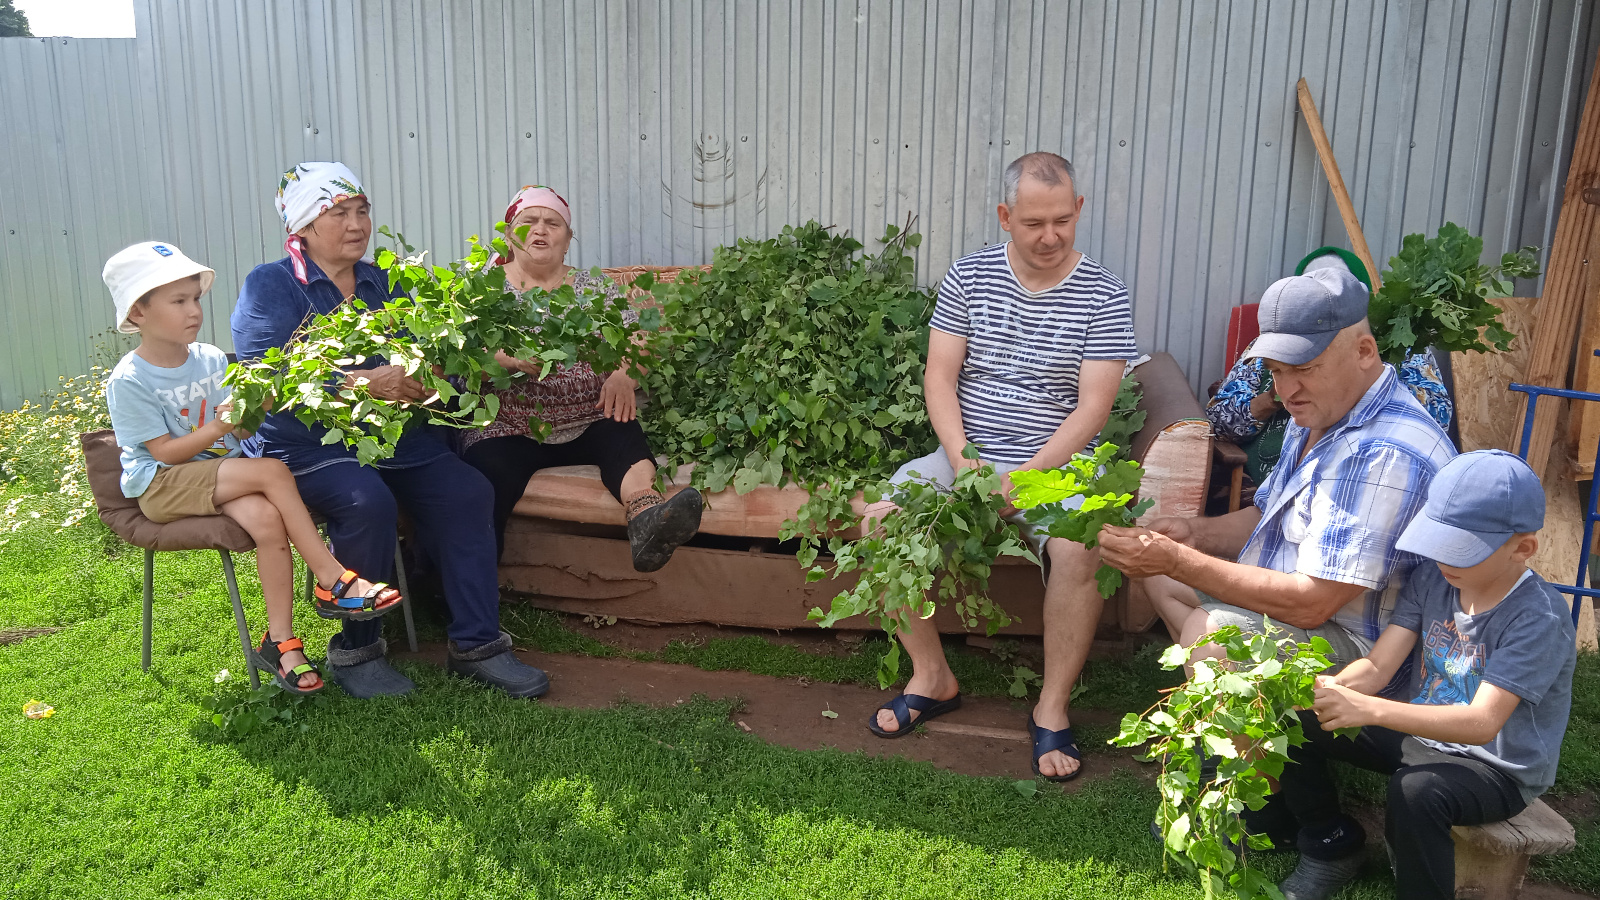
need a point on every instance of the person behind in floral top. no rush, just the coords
(592, 416)
(1246, 411)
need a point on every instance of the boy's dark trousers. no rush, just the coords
(1429, 791)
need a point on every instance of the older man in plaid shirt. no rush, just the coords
(1316, 553)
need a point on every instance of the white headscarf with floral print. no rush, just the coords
(307, 191)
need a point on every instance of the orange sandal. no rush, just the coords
(335, 602)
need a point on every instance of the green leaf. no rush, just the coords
(1026, 788)
(1107, 580)
(1174, 656)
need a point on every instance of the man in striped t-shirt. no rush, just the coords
(1027, 350)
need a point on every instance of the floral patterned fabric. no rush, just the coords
(1229, 410)
(567, 399)
(307, 191)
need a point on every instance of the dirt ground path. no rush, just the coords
(986, 736)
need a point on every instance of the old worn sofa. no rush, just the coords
(567, 549)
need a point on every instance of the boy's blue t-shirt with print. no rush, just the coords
(1525, 644)
(148, 401)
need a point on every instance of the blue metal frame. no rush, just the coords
(1577, 589)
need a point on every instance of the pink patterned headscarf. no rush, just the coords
(307, 191)
(535, 195)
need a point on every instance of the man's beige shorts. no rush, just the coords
(186, 489)
(1347, 648)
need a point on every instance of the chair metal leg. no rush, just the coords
(405, 595)
(149, 605)
(238, 616)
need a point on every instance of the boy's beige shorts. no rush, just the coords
(186, 489)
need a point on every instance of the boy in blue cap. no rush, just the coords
(1481, 737)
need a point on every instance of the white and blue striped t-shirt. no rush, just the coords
(1024, 348)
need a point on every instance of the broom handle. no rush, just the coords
(1330, 167)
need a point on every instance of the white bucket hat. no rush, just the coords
(140, 269)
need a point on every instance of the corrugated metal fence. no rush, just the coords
(678, 125)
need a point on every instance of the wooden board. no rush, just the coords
(1487, 414)
(595, 575)
(1584, 431)
(1536, 831)
(576, 494)
(1492, 860)
(1566, 281)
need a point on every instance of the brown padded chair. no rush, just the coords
(103, 462)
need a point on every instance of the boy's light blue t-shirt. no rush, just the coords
(148, 401)
(1526, 645)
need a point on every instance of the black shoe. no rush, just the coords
(1320, 879)
(1330, 858)
(364, 672)
(658, 530)
(496, 665)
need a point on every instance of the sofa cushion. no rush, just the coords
(103, 463)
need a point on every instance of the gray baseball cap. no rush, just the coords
(1476, 502)
(1300, 315)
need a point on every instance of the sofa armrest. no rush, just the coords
(1174, 447)
(1167, 400)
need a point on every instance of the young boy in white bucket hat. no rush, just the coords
(180, 453)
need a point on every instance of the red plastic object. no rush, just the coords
(1243, 327)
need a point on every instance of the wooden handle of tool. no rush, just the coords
(1330, 167)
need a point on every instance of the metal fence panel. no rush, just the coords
(676, 126)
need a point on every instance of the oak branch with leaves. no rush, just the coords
(1435, 294)
(1107, 486)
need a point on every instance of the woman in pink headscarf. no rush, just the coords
(592, 415)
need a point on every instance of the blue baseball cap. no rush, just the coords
(1302, 314)
(1476, 502)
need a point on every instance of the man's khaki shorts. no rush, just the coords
(186, 489)
(935, 467)
(1347, 648)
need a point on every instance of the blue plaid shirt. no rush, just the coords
(1337, 513)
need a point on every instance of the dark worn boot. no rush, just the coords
(1328, 861)
(496, 665)
(364, 672)
(656, 527)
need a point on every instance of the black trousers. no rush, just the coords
(1429, 791)
(508, 462)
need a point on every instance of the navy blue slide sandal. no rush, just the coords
(1045, 740)
(902, 705)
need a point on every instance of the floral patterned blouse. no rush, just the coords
(1229, 410)
(568, 398)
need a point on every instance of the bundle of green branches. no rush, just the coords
(952, 536)
(936, 534)
(444, 333)
(792, 359)
(1242, 710)
(1435, 294)
(1106, 482)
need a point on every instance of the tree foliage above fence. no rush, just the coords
(13, 21)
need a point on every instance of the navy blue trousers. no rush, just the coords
(451, 507)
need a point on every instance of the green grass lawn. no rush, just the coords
(130, 791)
